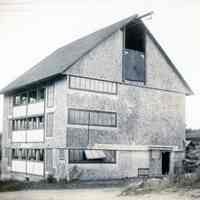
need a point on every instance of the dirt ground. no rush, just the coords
(98, 194)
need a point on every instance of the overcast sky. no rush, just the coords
(32, 29)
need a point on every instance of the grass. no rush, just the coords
(14, 185)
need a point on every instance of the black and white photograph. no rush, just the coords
(99, 99)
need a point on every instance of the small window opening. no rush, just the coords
(41, 93)
(32, 96)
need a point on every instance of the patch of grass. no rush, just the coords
(14, 185)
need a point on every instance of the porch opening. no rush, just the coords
(165, 163)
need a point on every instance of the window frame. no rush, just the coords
(27, 101)
(26, 124)
(92, 111)
(92, 161)
(93, 90)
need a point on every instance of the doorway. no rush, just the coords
(165, 162)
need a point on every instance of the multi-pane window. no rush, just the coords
(41, 93)
(89, 84)
(17, 100)
(36, 122)
(92, 156)
(23, 98)
(28, 154)
(31, 96)
(93, 118)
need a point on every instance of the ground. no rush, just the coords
(99, 194)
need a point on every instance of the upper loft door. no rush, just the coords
(134, 52)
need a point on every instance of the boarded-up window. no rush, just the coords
(89, 84)
(61, 154)
(50, 95)
(92, 156)
(49, 159)
(50, 124)
(93, 118)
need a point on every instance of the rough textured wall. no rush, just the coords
(144, 117)
(104, 61)
(159, 74)
(126, 165)
(60, 116)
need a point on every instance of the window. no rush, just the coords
(93, 118)
(28, 154)
(19, 124)
(32, 98)
(92, 156)
(23, 98)
(29, 123)
(89, 84)
(41, 122)
(17, 100)
(41, 94)
(61, 154)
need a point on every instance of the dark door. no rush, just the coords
(165, 162)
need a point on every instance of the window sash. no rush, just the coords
(79, 156)
(92, 118)
(28, 123)
(28, 154)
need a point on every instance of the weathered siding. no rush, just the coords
(159, 74)
(104, 61)
(144, 117)
(59, 116)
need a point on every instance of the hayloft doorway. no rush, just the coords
(165, 162)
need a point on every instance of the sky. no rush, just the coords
(32, 29)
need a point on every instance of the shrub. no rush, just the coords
(51, 179)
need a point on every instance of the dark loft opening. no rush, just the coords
(134, 52)
(135, 37)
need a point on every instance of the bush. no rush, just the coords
(75, 173)
(51, 179)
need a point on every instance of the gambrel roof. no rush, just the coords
(63, 58)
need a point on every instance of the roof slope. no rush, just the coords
(60, 60)
(64, 57)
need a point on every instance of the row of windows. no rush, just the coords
(75, 155)
(31, 96)
(28, 123)
(36, 95)
(94, 118)
(92, 156)
(28, 154)
(92, 85)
